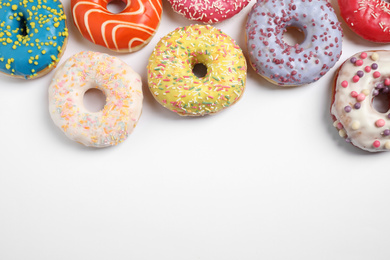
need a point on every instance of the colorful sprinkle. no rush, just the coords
(387, 82)
(344, 84)
(361, 97)
(380, 123)
(355, 125)
(374, 56)
(359, 63)
(357, 105)
(342, 133)
(366, 92)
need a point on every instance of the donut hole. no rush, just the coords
(94, 100)
(116, 6)
(293, 36)
(23, 29)
(381, 102)
(199, 70)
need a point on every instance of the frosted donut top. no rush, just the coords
(302, 63)
(32, 35)
(360, 79)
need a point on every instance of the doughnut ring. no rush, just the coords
(370, 19)
(303, 63)
(121, 86)
(175, 86)
(33, 37)
(127, 31)
(359, 80)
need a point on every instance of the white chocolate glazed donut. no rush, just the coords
(121, 86)
(361, 78)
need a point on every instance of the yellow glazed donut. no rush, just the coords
(119, 83)
(175, 86)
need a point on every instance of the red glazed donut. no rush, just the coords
(127, 31)
(368, 18)
(208, 11)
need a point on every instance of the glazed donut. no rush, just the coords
(360, 79)
(121, 86)
(33, 37)
(368, 18)
(304, 63)
(175, 86)
(127, 31)
(211, 11)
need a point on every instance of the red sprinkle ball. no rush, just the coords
(380, 123)
(387, 82)
(359, 63)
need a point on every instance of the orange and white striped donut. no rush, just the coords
(127, 31)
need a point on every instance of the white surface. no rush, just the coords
(269, 178)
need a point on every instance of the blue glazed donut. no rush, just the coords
(33, 35)
(287, 65)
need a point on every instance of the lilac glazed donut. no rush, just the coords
(208, 11)
(281, 63)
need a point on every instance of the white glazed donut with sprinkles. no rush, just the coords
(303, 63)
(359, 80)
(119, 83)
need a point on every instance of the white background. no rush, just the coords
(269, 178)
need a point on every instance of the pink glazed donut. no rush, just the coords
(208, 11)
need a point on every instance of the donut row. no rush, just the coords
(34, 34)
(36, 31)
